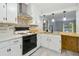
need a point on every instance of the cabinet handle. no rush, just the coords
(3, 18)
(15, 41)
(8, 50)
(20, 46)
(3, 6)
(6, 18)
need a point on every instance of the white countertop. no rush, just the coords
(10, 37)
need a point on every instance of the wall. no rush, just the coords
(57, 26)
(77, 20)
(33, 11)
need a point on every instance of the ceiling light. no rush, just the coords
(64, 18)
(53, 17)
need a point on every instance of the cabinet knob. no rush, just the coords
(8, 50)
(3, 6)
(20, 46)
(15, 41)
(3, 18)
(6, 18)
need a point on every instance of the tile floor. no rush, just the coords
(47, 52)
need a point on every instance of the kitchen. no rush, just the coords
(39, 29)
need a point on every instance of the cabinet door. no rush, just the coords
(16, 50)
(39, 40)
(44, 41)
(6, 51)
(2, 12)
(78, 43)
(13, 50)
(12, 12)
(69, 43)
(72, 43)
(55, 43)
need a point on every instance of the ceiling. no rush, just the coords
(50, 7)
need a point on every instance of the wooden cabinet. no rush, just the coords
(8, 13)
(70, 43)
(78, 44)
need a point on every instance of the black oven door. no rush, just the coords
(29, 42)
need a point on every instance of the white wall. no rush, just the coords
(35, 13)
(36, 10)
(36, 16)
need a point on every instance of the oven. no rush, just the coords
(29, 42)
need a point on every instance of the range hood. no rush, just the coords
(23, 14)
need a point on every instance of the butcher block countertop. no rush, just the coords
(70, 34)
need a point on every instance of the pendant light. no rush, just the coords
(44, 21)
(53, 20)
(64, 18)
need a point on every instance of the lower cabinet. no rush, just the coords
(14, 49)
(52, 42)
(55, 43)
(5, 51)
(70, 43)
(44, 41)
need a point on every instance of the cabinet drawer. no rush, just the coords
(12, 50)
(10, 42)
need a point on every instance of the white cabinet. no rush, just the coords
(42, 40)
(8, 12)
(12, 12)
(2, 12)
(5, 51)
(11, 48)
(16, 50)
(39, 40)
(52, 42)
(55, 43)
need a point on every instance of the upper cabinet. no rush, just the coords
(2, 12)
(12, 12)
(8, 13)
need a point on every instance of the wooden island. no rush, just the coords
(70, 41)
